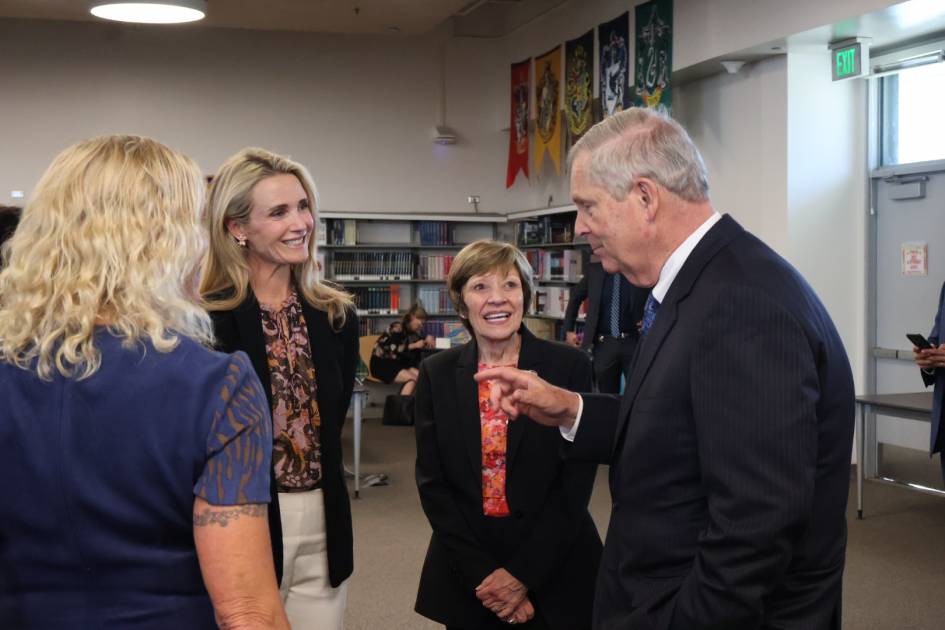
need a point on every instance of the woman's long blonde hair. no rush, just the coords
(225, 280)
(111, 237)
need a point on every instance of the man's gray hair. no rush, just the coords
(640, 142)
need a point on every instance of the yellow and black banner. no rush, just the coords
(548, 108)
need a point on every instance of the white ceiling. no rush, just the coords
(324, 16)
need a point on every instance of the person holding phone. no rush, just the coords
(931, 362)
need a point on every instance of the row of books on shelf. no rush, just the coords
(345, 232)
(454, 331)
(336, 232)
(377, 300)
(390, 265)
(435, 300)
(546, 229)
(556, 264)
(551, 301)
(434, 266)
(435, 233)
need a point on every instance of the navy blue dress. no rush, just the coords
(99, 478)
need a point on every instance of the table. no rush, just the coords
(912, 406)
(358, 397)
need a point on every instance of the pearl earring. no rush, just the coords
(241, 240)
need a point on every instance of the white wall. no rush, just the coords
(739, 123)
(827, 184)
(359, 112)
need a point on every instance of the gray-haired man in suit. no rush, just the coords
(730, 449)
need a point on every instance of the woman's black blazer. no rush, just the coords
(549, 542)
(335, 355)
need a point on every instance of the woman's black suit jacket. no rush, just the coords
(549, 542)
(335, 355)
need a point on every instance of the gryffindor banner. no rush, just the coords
(579, 85)
(518, 125)
(548, 106)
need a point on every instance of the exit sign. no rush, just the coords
(847, 60)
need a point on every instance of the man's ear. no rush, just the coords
(649, 195)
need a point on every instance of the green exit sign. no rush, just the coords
(847, 61)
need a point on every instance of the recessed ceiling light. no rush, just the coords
(160, 12)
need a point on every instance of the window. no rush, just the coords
(913, 118)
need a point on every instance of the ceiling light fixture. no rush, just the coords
(157, 12)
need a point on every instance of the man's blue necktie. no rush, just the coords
(649, 313)
(615, 306)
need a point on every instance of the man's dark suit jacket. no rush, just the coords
(937, 378)
(730, 453)
(335, 355)
(549, 541)
(591, 287)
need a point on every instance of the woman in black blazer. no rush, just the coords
(261, 287)
(513, 542)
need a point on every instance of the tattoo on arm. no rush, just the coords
(223, 517)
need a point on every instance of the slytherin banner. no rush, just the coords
(548, 106)
(654, 58)
(579, 85)
(612, 37)
(518, 125)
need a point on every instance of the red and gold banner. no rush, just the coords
(548, 106)
(518, 125)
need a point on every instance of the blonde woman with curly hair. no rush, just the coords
(262, 288)
(135, 459)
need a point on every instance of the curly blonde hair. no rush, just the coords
(111, 238)
(225, 280)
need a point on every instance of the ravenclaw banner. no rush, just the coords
(548, 106)
(518, 125)
(654, 31)
(579, 85)
(612, 38)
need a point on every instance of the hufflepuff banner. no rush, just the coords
(548, 108)
(579, 85)
(654, 59)
(518, 123)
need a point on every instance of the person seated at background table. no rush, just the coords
(135, 460)
(397, 353)
(263, 291)
(513, 542)
(931, 362)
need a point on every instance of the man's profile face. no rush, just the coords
(609, 224)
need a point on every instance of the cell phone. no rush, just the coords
(919, 341)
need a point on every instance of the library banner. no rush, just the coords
(614, 71)
(654, 58)
(579, 85)
(548, 104)
(518, 123)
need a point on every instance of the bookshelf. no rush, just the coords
(547, 237)
(390, 261)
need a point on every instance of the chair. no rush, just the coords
(371, 382)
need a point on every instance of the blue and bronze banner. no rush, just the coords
(518, 123)
(548, 106)
(612, 37)
(654, 58)
(579, 85)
